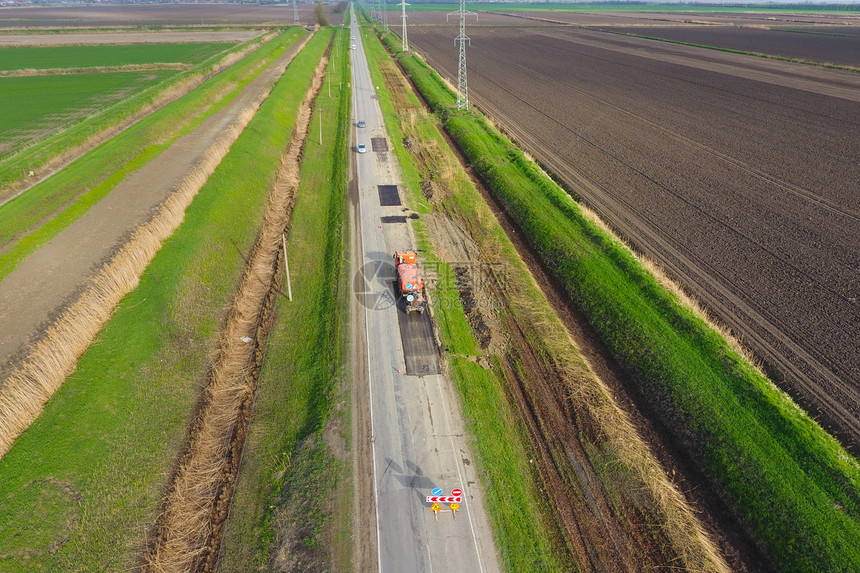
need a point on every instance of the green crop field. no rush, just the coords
(39, 58)
(790, 485)
(32, 108)
(43, 138)
(35, 217)
(80, 486)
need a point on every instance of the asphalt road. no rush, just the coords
(417, 440)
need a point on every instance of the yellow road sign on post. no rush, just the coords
(435, 507)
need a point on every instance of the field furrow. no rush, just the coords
(744, 190)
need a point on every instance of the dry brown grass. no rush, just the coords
(659, 496)
(194, 501)
(54, 357)
(677, 518)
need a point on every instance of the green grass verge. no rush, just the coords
(42, 57)
(290, 474)
(789, 483)
(34, 218)
(80, 487)
(518, 512)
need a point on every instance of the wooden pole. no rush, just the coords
(287, 268)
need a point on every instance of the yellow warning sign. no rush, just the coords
(455, 506)
(435, 507)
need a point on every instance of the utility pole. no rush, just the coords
(462, 83)
(404, 42)
(385, 14)
(287, 267)
(296, 14)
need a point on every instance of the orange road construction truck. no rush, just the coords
(409, 281)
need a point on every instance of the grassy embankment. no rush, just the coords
(34, 218)
(292, 482)
(789, 483)
(15, 168)
(80, 487)
(520, 515)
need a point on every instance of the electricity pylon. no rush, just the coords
(462, 83)
(385, 15)
(405, 42)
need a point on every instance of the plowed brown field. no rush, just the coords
(841, 47)
(738, 174)
(740, 18)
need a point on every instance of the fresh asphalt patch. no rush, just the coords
(388, 196)
(378, 144)
(419, 345)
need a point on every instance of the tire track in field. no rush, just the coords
(774, 339)
(717, 155)
(715, 294)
